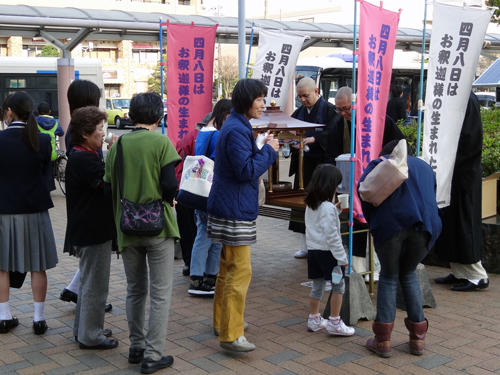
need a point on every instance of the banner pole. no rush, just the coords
(161, 75)
(250, 49)
(241, 39)
(421, 96)
(353, 130)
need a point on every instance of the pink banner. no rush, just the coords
(377, 39)
(190, 62)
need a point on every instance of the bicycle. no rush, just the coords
(60, 169)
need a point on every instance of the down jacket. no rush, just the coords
(235, 189)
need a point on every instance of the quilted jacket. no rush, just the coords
(234, 192)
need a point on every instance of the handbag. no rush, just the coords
(196, 180)
(138, 219)
(16, 279)
(386, 177)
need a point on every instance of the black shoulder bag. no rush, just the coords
(138, 219)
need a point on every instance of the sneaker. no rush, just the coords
(199, 288)
(210, 281)
(316, 323)
(300, 254)
(339, 329)
(239, 345)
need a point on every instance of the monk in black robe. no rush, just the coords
(461, 238)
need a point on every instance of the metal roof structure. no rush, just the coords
(78, 24)
(491, 77)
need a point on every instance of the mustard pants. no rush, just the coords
(235, 273)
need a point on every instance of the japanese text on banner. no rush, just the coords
(189, 74)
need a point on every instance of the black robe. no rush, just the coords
(461, 238)
(316, 153)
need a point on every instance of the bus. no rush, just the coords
(38, 77)
(331, 73)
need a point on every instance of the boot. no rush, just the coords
(381, 343)
(417, 335)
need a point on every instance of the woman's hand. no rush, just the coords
(274, 143)
(113, 140)
(269, 138)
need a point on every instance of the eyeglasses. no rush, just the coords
(345, 110)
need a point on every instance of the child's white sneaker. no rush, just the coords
(339, 328)
(316, 323)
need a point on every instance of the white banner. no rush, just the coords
(275, 63)
(456, 42)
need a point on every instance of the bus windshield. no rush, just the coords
(307, 71)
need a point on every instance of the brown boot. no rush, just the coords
(381, 343)
(417, 335)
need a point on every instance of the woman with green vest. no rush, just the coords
(49, 125)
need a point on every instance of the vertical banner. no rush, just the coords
(377, 39)
(456, 42)
(190, 64)
(275, 63)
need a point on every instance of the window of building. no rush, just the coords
(111, 91)
(146, 56)
(184, 2)
(310, 19)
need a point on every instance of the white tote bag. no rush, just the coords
(196, 181)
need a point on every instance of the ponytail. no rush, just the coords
(22, 105)
(30, 133)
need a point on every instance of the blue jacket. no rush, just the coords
(239, 164)
(48, 122)
(412, 203)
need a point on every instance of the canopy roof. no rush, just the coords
(490, 78)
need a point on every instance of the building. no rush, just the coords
(126, 64)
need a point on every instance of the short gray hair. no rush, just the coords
(344, 92)
(307, 83)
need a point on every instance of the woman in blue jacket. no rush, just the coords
(233, 207)
(404, 227)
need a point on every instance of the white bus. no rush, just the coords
(331, 73)
(38, 77)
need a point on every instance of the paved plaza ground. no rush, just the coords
(464, 333)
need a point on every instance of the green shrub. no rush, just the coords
(410, 133)
(491, 141)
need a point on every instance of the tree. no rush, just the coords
(154, 82)
(49, 51)
(495, 18)
(227, 69)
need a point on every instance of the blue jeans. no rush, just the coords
(399, 257)
(205, 257)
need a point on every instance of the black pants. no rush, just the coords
(187, 230)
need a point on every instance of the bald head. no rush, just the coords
(307, 93)
(307, 83)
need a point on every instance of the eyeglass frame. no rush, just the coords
(343, 110)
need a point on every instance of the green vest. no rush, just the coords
(52, 133)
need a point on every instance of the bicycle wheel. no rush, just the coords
(61, 172)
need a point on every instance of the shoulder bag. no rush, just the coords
(386, 177)
(138, 219)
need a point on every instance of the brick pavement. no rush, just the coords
(463, 336)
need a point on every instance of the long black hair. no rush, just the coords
(22, 105)
(220, 112)
(323, 185)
